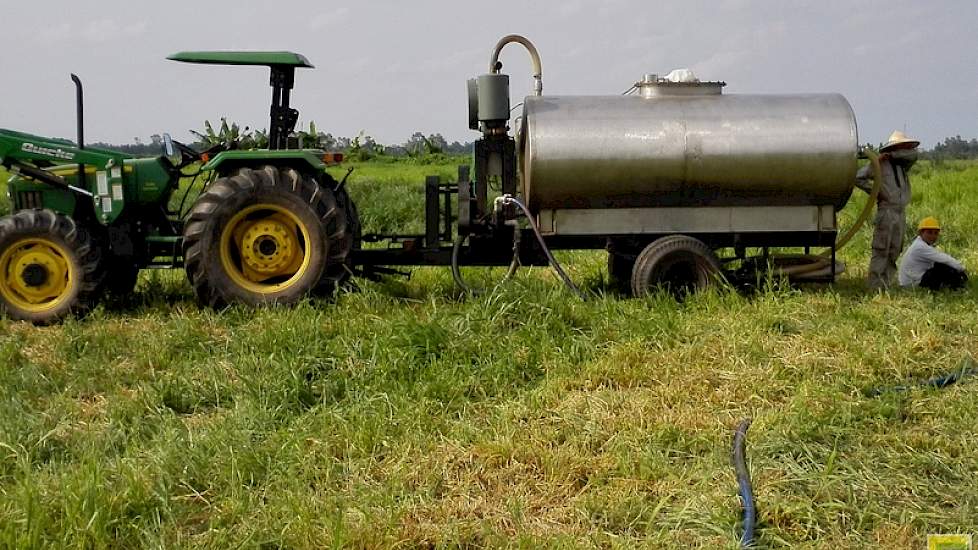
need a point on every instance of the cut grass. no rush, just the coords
(405, 414)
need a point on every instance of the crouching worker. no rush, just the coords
(925, 266)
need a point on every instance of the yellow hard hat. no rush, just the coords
(929, 222)
(899, 140)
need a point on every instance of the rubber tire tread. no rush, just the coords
(85, 255)
(339, 267)
(706, 262)
(244, 187)
(621, 266)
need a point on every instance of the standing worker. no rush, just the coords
(896, 157)
(925, 266)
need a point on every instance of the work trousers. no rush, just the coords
(887, 244)
(943, 276)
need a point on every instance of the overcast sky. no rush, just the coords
(391, 68)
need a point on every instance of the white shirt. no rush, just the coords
(920, 257)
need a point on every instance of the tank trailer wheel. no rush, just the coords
(49, 267)
(265, 236)
(677, 263)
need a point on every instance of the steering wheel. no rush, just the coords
(187, 154)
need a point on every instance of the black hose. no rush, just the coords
(507, 199)
(743, 481)
(941, 381)
(457, 273)
(946, 380)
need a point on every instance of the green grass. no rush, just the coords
(392, 193)
(405, 414)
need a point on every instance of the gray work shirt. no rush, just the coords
(920, 257)
(894, 184)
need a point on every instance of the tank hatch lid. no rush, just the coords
(653, 86)
(287, 59)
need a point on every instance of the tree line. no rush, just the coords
(359, 147)
(418, 146)
(954, 148)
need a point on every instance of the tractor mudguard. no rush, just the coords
(302, 159)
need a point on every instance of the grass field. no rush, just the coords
(407, 415)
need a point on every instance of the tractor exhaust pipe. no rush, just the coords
(80, 109)
(80, 117)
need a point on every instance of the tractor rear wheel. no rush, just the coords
(678, 263)
(340, 268)
(264, 236)
(49, 267)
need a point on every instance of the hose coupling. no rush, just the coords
(503, 200)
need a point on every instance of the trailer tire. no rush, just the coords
(49, 267)
(679, 264)
(265, 236)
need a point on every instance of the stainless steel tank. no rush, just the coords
(686, 144)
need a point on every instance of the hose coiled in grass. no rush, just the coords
(743, 481)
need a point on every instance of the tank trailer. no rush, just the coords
(663, 177)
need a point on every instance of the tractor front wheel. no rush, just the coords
(49, 267)
(263, 236)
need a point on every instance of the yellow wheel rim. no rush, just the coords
(36, 275)
(265, 248)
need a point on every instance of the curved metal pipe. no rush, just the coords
(534, 58)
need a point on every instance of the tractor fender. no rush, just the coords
(304, 160)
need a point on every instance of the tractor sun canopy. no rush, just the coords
(282, 66)
(267, 59)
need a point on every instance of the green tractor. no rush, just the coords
(270, 225)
